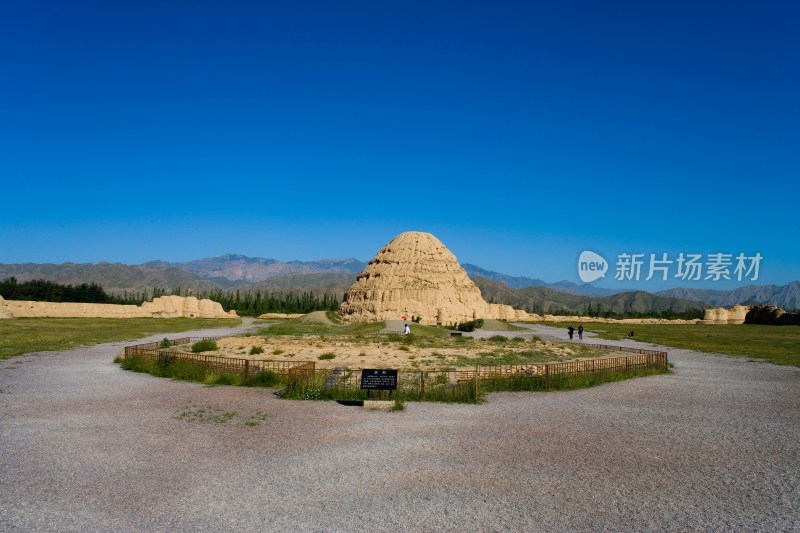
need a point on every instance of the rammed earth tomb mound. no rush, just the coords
(415, 275)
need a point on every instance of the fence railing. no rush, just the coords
(305, 373)
(211, 363)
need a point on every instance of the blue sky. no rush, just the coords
(519, 133)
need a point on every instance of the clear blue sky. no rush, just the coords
(519, 133)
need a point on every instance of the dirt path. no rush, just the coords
(85, 446)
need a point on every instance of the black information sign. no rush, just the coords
(379, 379)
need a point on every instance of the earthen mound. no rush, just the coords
(720, 315)
(769, 314)
(317, 317)
(415, 275)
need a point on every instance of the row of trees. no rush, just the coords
(249, 304)
(47, 291)
(246, 304)
(598, 311)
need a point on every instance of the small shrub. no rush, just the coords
(206, 345)
(166, 343)
(277, 351)
(404, 348)
(265, 378)
(536, 338)
(327, 356)
(137, 363)
(223, 379)
(313, 394)
(255, 350)
(472, 325)
(498, 338)
(164, 360)
(399, 405)
(186, 371)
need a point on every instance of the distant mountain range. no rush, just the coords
(785, 296)
(234, 267)
(548, 300)
(520, 282)
(334, 276)
(114, 277)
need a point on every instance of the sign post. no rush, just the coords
(379, 379)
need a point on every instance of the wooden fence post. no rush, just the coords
(475, 394)
(547, 376)
(421, 385)
(246, 368)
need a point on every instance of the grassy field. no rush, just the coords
(298, 327)
(775, 344)
(25, 335)
(426, 348)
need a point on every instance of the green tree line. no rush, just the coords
(47, 291)
(245, 304)
(598, 311)
(254, 304)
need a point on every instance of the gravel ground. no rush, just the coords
(85, 446)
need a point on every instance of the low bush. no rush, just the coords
(255, 350)
(140, 364)
(167, 366)
(206, 345)
(471, 325)
(265, 378)
(223, 379)
(186, 371)
(327, 356)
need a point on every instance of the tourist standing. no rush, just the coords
(406, 330)
(570, 330)
(580, 332)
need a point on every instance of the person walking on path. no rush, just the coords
(580, 332)
(570, 330)
(406, 330)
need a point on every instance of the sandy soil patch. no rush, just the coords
(378, 351)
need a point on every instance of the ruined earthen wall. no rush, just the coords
(720, 315)
(163, 307)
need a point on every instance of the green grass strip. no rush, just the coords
(774, 344)
(25, 335)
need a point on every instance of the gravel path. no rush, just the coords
(85, 446)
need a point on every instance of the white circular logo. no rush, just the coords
(591, 266)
